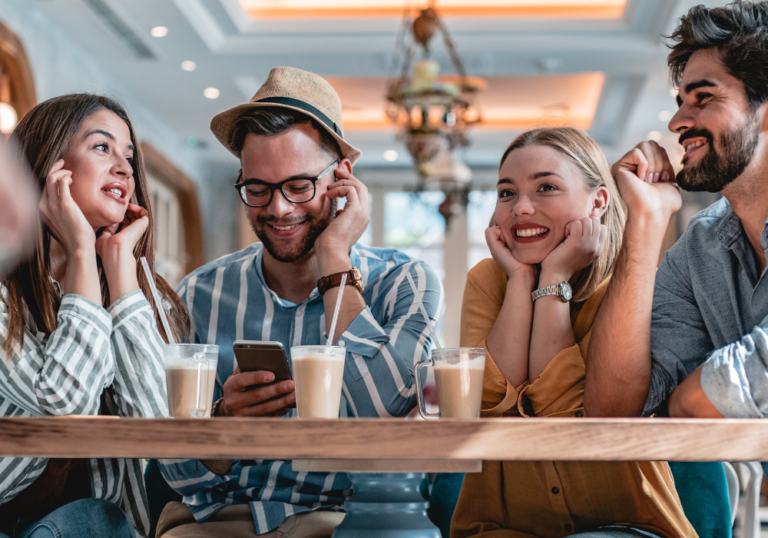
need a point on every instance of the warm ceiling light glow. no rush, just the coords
(8, 118)
(665, 115)
(188, 65)
(655, 136)
(159, 31)
(212, 93)
(550, 9)
(508, 103)
(390, 155)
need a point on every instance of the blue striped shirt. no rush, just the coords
(229, 300)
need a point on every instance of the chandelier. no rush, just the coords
(433, 112)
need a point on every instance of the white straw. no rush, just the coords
(158, 302)
(329, 342)
(423, 311)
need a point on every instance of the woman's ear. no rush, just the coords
(600, 200)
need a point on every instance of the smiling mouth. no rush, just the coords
(693, 146)
(116, 193)
(530, 232)
(286, 228)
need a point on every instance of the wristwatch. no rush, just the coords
(562, 290)
(331, 281)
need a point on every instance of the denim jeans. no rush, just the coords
(86, 517)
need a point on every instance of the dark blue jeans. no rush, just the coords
(86, 517)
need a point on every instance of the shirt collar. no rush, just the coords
(258, 260)
(730, 229)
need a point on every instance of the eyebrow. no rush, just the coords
(108, 135)
(537, 175)
(703, 83)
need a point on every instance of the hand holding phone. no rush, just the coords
(261, 384)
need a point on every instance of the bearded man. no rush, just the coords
(700, 347)
(296, 165)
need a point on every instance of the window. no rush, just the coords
(479, 212)
(168, 230)
(413, 225)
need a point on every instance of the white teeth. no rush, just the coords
(284, 227)
(116, 192)
(530, 232)
(693, 145)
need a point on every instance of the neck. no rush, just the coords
(748, 196)
(292, 281)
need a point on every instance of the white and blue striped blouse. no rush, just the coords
(229, 300)
(115, 353)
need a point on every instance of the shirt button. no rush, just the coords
(555, 490)
(98, 484)
(271, 483)
(568, 527)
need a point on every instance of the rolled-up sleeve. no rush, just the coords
(382, 348)
(559, 390)
(735, 377)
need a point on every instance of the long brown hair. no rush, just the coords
(586, 154)
(43, 136)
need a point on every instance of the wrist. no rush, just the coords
(525, 278)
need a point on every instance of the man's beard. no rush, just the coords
(282, 253)
(718, 169)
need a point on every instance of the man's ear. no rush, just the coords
(346, 164)
(762, 112)
(600, 200)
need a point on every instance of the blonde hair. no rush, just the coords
(589, 158)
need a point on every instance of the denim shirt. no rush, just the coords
(710, 307)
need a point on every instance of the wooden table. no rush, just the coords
(388, 504)
(394, 440)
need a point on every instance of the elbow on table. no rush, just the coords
(613, 404)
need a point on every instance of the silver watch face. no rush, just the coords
(565, 290)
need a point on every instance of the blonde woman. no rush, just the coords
(554, 238)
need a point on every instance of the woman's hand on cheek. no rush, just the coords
(113, 245)
(62, 215)
(583, 244)
(502, 255)
(116, 251)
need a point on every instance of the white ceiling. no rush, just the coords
(234, 54)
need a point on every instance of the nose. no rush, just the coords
(523, 206)
(123, 167)
(279, 206)
(682, 120)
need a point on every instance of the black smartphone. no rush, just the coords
(255, 355)
(252, 355)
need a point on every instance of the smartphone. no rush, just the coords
(255, 355)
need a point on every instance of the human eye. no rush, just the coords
(547, 187)
(702, 96)
(506, 193)
(256, 189)
(299, 186)
(102, 147)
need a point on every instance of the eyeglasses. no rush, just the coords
(257, 193)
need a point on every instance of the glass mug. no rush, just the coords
(459, 379)
(190, 372)
(318, 372)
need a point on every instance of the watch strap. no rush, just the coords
(554, 289)
(331, 281)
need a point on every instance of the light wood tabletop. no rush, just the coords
(388, 444)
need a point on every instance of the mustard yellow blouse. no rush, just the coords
(552, 499)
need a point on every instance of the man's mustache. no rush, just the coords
(695, 133)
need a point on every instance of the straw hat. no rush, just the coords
(292, 88)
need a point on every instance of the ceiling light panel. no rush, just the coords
(547, 9)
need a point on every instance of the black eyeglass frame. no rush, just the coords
(274, 186)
